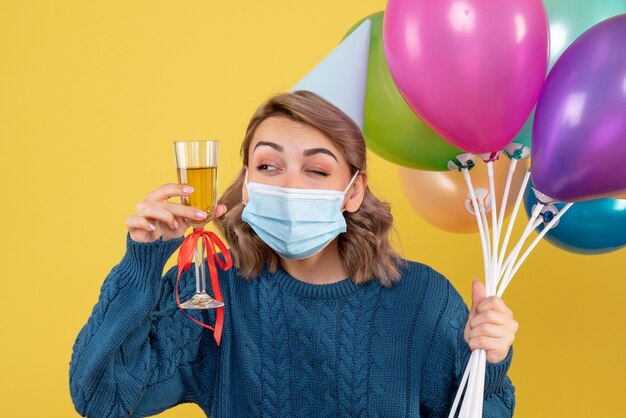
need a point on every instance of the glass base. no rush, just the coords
(201, 301)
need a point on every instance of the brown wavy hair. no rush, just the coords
(364, 248)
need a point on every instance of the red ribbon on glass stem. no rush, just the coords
(185, 257)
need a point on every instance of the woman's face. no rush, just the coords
(287, 153)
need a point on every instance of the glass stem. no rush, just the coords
(200, 270)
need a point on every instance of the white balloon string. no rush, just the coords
(483, 217)
(476, 411)
(470, 372)
(512, 257)
(469, 394)
(491, 290)
(505, 243)
(482, 382)
(474, 375)
(481, 231)
(505, 198)
(508, 265)
(498, 274)
(475, 403)
(459, 392)
(530, 226)
(509, 277)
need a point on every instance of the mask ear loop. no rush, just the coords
(352, 181)
(245, 183)
(349, 185)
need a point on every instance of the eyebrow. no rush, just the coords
(313, 151)
(269, 144)
(306, 153)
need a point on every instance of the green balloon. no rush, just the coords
(568, 20)
(391, 129)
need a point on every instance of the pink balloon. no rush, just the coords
(471, 69)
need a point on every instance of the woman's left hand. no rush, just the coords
(490, 325)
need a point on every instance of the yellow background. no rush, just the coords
(93, 93)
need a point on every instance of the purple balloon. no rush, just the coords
(579, 134)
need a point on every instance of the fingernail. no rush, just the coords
(187, 189)
(151, 227)
(175, 223)
(200, 214)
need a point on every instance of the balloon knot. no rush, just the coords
(517, 154)
(493, 156)
(462, 162)
(548, 216)
(517, 151)
(457, 165)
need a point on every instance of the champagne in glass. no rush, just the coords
(204, 197)
(196, 164)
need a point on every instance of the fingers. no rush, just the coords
(159, 213)
(137, 222)
(219, 211)
(489, 317)
(489, 330)
(478, 294)
(491, 321)
(167, 212)
(496, 356)
(495, 338)
(485, 343)
(155, 212)
(168, 190)
(496, 348)
(493, 303)
(184, 211)
(490, 325)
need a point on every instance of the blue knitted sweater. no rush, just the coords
(288, 349)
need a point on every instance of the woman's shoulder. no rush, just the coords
(415, 272)
(430, 292)
(423, 279)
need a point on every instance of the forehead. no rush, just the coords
(291, 134)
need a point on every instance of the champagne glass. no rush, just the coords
(196, 164)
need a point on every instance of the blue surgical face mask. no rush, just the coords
(296, 223)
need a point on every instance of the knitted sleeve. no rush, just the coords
(137, 354)
(444, 366)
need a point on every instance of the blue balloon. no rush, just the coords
(589, 227)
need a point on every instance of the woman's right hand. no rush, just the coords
(157, 217)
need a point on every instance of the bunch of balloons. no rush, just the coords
(394, 130)
(458, 86)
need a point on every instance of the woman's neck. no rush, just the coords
(322, 268)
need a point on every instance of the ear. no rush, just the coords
(356, 193)
(244, 189)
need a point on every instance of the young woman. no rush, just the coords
(321, 319)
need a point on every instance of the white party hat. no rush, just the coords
(341, 77)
